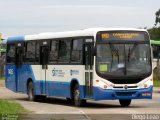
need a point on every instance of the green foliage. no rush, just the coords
(156, 83)
(157, 17)
(10, 107)
(156, 77)
(154, 33)
(2, 77)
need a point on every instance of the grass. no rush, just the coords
(8, 107)
(156, 77)
(1, 77)
(156, 83)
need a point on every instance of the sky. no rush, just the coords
(22, 17)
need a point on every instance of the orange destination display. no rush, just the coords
(119, 35)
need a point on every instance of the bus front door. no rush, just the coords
(88, 70)
(19, 69)
(44, 58)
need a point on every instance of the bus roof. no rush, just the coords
(78, 33)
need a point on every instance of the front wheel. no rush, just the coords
(77, 100)
(125, 103)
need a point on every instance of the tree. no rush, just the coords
(157, 17)
(154, 33)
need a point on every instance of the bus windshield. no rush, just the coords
(123, 60)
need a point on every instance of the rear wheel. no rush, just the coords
(77, 100)
(125, 103)
(32, 96)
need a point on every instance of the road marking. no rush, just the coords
(85, 115)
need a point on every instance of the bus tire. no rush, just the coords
(77, 100)
(125, 103)
(31, 96)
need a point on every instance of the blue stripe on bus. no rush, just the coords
(62, 89)
(56, 88)
(12, 79)
(15, 39)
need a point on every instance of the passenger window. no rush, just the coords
(37, 52)
(30, 52)
(76, 53)
(11, 53)
(54, 52)
(64, 51)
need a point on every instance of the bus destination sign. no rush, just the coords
(122, 36)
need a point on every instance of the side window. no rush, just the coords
(37, 52)
(64, 51)
(30, 51)
(54, 51)
(11, 48)
(76, 53)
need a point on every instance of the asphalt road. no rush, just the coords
(58, 108)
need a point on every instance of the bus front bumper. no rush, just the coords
(102, 94)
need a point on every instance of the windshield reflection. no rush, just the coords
(123, 59)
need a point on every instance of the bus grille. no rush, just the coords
(123, 86)
(125, 81)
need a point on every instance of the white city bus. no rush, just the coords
(95, 64)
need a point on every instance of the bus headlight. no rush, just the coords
(146, 84)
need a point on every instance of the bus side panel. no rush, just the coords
(25, 74)
(38, 78)
(16, 80)
(62, 89)
(10, 76)
(20, 75)
(58, 80)
(59, 77)
(55, 88)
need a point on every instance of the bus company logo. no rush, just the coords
(125, 87)
(59, 73)
(10, 71)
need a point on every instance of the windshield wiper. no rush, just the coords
(131, 50)
(129, 54)
(114, 52)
